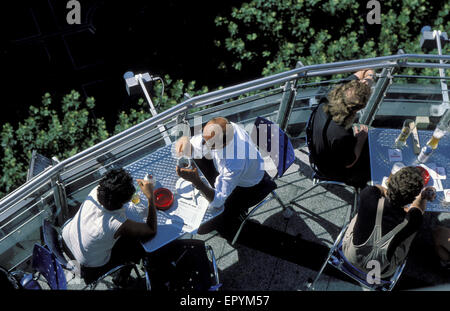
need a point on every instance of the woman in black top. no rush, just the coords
(339, 151)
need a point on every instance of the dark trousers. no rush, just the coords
(125, 250)
(237, 204)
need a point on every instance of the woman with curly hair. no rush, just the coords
(100, 237)
(385, 226)
(338, 151)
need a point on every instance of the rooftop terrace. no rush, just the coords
(287, 251)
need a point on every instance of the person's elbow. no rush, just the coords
(151, 230)
(149, 233)
(351, 164)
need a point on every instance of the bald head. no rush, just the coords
(218, 132)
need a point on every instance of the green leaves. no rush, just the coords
(318, 31)
(52, 130)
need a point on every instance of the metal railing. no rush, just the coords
(146, 133)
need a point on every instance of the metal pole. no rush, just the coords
(161, 127)
(377, 96)
(439, 109)
(287, 101)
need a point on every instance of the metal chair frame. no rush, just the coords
(210, 251)
(337, 260)
(278, 175)
(55, 247)
(45, 264)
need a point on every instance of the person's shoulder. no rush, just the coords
(116, 219)
(371, 191)
(414, 216)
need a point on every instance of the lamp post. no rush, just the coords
(133, 82)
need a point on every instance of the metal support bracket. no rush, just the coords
(161, 127)
(377, 96)
(60, 197)
(379, 92)
(287, 101)
(438, 110)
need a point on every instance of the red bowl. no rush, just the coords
(425, 175)
(163, 198)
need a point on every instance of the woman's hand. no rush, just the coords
(146, 187)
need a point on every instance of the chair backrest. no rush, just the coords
(46, 264)
(358, 275)
(182, 265)
(309, 142)
(266, 133)
(53, 242)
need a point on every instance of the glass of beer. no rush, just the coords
(437, 135)
(136, 198)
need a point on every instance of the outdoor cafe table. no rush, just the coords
(383, 155)
(186, 213)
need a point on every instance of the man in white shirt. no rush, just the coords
(229, 159)
(99, 236)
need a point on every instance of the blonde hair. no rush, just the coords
(345, 100)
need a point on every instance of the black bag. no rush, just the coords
(182, 265)
(7, 280)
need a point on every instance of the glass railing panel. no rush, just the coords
(20, 227)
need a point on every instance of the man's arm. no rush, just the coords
(145, 230)
(193, 176)
(427, 194)
(420, 202)
(224, 186)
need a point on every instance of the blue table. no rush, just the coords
(381, 143)
(161, 164)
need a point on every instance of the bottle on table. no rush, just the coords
(425, 154)
(136, 198)
(441, 128)
(404, 134)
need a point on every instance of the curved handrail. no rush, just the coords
(220, 95)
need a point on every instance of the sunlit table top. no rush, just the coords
(185, 210)
(383, 155)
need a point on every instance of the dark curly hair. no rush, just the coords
(404, 186)
(115, 189)
(345, 100)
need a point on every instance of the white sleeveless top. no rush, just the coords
(90, 233)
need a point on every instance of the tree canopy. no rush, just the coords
(278, 33)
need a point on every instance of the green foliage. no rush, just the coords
(278, 33)
(51, 133)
